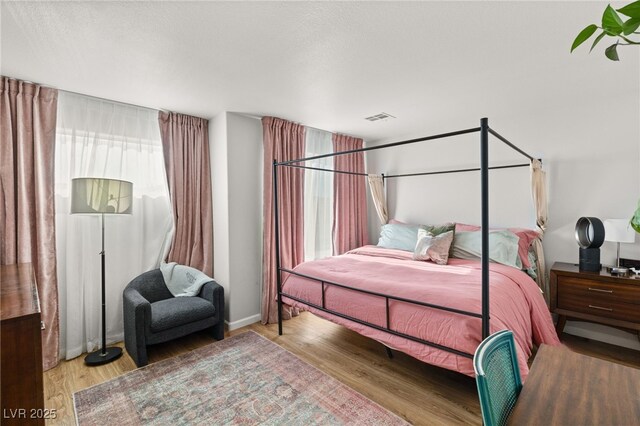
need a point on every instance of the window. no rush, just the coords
(104, 139)
(318, 196)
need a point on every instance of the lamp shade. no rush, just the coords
(97, 195)
(619, 231)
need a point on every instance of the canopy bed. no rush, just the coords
(436, 313)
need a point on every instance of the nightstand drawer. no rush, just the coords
(598, 290)
(581, 301)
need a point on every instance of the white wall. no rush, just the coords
(220, 197)
(591, 152)
(244, 150)
(236, 162)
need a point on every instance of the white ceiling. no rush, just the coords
(324, 64)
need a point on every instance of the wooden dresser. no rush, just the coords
(21, 347)
(594, 296)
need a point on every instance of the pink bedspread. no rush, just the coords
(515, 303)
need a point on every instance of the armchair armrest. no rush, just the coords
(137, 320)
(213, 292)
(136, 307)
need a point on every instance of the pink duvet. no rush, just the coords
(515, 302)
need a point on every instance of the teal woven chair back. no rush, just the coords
(497, 376)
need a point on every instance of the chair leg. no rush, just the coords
(136, 346)
(218, 331)
(142, 358)
(138, 353)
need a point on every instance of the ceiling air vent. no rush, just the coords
(379, 117)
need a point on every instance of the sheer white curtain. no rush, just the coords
(98, 138)
(318, 196)
(376, 186)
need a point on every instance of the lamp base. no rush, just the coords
(98, 358)
(617, 270)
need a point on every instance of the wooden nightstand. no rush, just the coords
(594, 296)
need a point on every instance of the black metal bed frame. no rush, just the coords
(484, 168)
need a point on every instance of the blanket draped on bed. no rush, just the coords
(515, 303)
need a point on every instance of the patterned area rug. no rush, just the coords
(245, 379)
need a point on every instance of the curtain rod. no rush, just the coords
(130, 104)
(101, 98)
(112, 100)
(309, 127)
(333, 132)
(84, 94)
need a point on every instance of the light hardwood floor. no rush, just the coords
(420, 393)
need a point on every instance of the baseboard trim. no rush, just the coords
(242, 322)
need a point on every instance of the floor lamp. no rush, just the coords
(101, 196)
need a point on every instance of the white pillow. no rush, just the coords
(503, 246)
(434, 248)
(398, 236)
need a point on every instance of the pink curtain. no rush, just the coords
(27, 213)
(282, 141)
(350, 199)
(185, 142)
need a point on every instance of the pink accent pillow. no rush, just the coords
(466, 228)
(525, 235)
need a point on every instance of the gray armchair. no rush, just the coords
(152, 315)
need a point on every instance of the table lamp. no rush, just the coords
(101, 196)
(619, 231)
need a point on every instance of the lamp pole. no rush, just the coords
(104, 355)
(104, 309)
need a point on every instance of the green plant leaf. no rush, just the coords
(597, 40)
(635, 220)
(611, 52)
(632, 10)
(583, 36)
(611, 22)
(631, 25)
